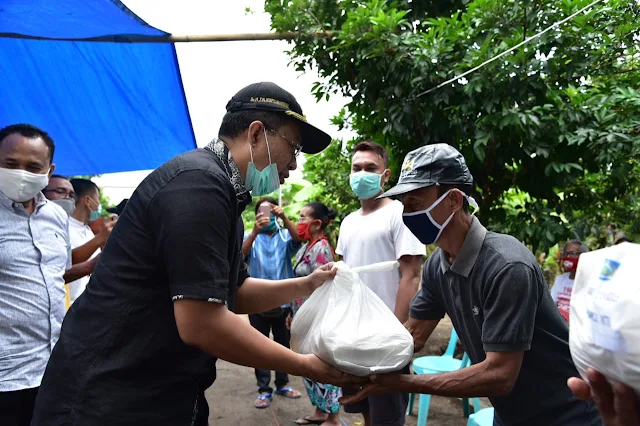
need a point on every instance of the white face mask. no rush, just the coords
(21, 185)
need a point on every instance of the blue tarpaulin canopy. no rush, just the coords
(110, 107)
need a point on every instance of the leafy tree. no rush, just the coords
(555, 124)
(329, 172)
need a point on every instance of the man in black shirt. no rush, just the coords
(139, 348)
(492, 288)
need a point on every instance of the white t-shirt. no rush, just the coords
(380, 236)
(561, 293)
(79, 234)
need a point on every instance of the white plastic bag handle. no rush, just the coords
(377, 267)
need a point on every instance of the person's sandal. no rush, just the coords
(288, 392)
(263, 400)
(307, 420)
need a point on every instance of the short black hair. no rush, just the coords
(84, 187)
(234, 123)
(622, 239)
(268, 200)
(442, 188)
(58, 177)
(372, 146)
(29, 131)
(321, 212)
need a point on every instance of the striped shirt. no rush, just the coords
(34, 254)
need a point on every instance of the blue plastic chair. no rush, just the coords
(480, 417)
(436, 365)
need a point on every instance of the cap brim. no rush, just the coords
(403, 188)
(314, 140)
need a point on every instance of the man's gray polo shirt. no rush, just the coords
(496, 297)
(34, 254)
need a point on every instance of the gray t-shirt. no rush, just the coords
(496, 297)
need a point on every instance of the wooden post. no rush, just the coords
(172, 38)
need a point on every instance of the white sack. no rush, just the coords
(346, 325)
(605, 314)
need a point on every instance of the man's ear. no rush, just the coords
(256, 130)
(51, 169)
(386, 175)
(456, 200)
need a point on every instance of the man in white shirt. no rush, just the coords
(376, 233)
(85, 245)
(563, 285)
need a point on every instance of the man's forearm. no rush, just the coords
(85, 251)
(78, 271)
(247, 243)
(229, 337)
(257, 295)
(406, 290)
(293, 229)
(475, 381)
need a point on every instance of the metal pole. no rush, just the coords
(172, 38)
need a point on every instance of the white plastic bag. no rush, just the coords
(346, 325)
(605, 314)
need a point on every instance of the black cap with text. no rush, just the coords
(268, 96)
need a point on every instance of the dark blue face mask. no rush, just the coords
(426, 229)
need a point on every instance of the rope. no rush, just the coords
(275, 418)
(506, 52)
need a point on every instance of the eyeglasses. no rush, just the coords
(62, 191)
(296, 146)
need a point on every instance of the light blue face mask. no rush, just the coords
(95, 214)
(272, 226)
(265, 181)
(366, 185)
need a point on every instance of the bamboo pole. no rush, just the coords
(172, 38)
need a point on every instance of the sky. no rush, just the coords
(213, 72)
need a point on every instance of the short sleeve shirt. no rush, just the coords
(496, 297)
(380, 236)
(561, 294)
(270, 257)
(79, 234)
(120, 355)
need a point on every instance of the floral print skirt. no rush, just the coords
(325, 397)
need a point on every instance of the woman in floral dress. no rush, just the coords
(317, 251)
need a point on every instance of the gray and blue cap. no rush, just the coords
(430, 165)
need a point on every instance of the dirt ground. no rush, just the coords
(231, 397)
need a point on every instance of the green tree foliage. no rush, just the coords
(551, 132)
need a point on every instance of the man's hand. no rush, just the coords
(380, 384)
(104, 233)
(278, 212)
(420, 330)
(321, 372)
(319, 276)
(619, 405)
(261, 222)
